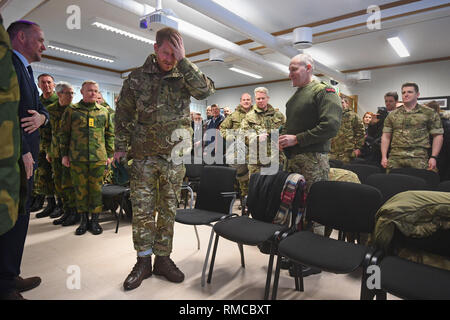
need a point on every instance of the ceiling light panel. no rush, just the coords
(253, 75)
(65, 48)
(120, 30)
(398, 46)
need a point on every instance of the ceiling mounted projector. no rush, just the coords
(302, 38)
(157, 20)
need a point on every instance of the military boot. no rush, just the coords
(164, 266)
(94, 226)
(66, 214)
(141, 270)
(58, 211)
(72, 219)
(38, 203)
(83, 224)
(51, 205)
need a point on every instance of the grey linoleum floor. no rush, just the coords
(55, 254)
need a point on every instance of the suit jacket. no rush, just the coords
(29, 100)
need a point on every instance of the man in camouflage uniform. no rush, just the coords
(86, 139)
(407, 130)
(350, 137)
(43, 182)
(257, 126)
(61, 174)
(154, 101)
(233, 122)
(9, 148)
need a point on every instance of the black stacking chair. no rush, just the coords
(246, 230)
(114, 196)
(431, 177)
(335, 163)
(391, 184)
(345, 206)
(410, 280)
(215, 198)
(362, 170)
(192, 179)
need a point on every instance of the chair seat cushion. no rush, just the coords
(246, 231)
(197, 216)
(410, 280)
(324, 253)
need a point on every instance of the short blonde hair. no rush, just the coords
(263, 90)
(89, 82)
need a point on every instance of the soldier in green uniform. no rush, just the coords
(61, 174)
(257, 126)
(313, 118)
(407, 130)
(86, 141)
(107, 176)
(10, 150)
(233, 122)
(350, 137)
(153, 102)
(43, 182)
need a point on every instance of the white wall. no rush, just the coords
(433, 80)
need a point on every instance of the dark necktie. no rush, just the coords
(30, 71)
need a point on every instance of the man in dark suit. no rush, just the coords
(27, 40)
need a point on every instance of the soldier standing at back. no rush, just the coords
(43, 182)
(61, 174)
(258, 124)
(407, 131)
(154, 101)
(350, 137)
(86, 142)
(233, 122)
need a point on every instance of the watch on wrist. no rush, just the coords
(434, 157)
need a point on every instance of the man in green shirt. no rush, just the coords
(407, 130)
(313, 117)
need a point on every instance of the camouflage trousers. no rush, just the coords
(404, 158)
(87, 181)
(43, 179)
(313, 166)
(342, 156)
(155, 185)
(242, 176)
(63, 183)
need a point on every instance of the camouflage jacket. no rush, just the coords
(234, 120)
(43, 130)
(412, 129)
(9, 137)
(152, 104)
(50, 133)
(350, 135)
(86, 133)
(258, 121)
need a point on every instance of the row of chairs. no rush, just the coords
(349, 207)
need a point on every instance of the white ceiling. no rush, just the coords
(425, 34)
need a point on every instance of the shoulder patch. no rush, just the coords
(330, 90)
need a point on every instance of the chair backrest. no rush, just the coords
(213, 181)
(193, 171)
(391, 184)
(362, 170)
(431, 177)
(335, 163)
(263, 200)
(344, 206)
(437, 243)
(444, 186)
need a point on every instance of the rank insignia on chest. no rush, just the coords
(91, 122)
